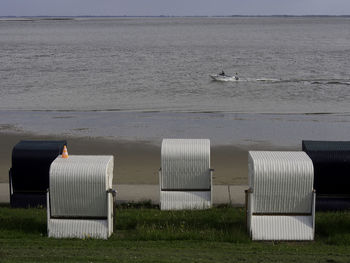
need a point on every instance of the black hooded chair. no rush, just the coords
(331, 161)
(29, 174)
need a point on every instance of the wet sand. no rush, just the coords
(138, 162)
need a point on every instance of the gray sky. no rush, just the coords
(173, 7)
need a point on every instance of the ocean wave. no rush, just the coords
(318, 81)
(33, 19)
(347, 83)
(173, 111)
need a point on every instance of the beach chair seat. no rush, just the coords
(185, 177)
(81, 199)
(331, 160)
(280, 199)
(29, 173)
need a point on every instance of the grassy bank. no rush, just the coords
(145, 234)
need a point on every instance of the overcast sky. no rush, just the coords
(173, 7)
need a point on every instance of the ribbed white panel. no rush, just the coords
(282, 228)
(77, 228)
(185, 164)
(110, 216)
(179, 200)
(78, 185)
(282, 182)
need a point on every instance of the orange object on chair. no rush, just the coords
(65, 152)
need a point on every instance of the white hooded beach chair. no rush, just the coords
(185, 177)
(280, 200)
(80, 199)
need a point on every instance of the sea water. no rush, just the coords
(155, 72)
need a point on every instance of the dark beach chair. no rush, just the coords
(331, 160)
(29, 174)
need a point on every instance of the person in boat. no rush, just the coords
(236, 76)
(222, 73)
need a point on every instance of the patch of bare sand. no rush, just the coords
(138, 162)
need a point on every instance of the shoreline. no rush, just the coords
(134, 138)
(243, 130)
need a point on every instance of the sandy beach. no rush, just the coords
(137, 162)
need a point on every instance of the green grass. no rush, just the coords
(145, 234)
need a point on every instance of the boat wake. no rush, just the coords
(332, 82)
(226, 78)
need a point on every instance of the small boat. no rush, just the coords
(220, 77)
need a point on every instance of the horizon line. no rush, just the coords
(135, 16)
